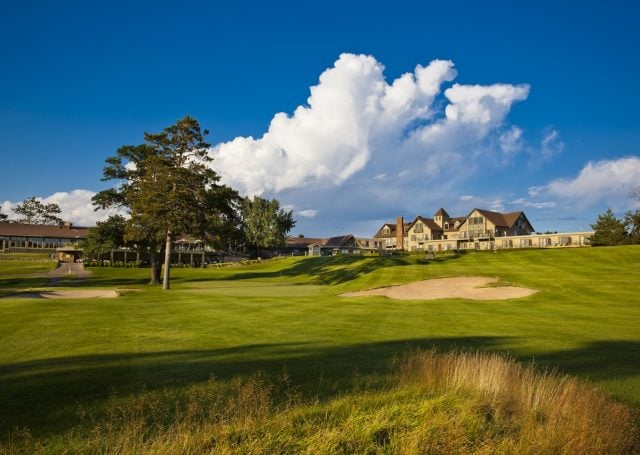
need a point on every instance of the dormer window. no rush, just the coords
(386, 231)
(446, 225)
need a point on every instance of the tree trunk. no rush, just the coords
(167, 261)
(156, 267)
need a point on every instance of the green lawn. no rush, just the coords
(58, 357)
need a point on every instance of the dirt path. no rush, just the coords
(473, 288)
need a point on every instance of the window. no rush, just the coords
(385, 231)
(419, 228)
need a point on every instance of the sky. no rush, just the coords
(349, 113)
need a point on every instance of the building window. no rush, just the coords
(419, 228)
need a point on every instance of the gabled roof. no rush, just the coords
(43, 230)
(339, 241)
(432, 225)
(506, 220)
(511, 218)
(442, 212)
(495, 217)
(331, 242)
(303, 242)
(452, 223)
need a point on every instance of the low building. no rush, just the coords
(343, 244)
(61, 241)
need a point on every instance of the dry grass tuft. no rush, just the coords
(453, 403)
(546, 412)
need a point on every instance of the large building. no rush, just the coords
(478, 230)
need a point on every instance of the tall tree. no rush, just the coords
(106, 236)
(608, 230)
(33, 211)
(168, 187)
(264, 223)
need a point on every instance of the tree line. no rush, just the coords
(610, 230)
(34, 211)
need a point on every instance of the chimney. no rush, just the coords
(400, 233)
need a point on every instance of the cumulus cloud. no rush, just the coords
(76, 206)
(354, 119)
(606, 180)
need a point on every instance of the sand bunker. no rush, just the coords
(474, 288)
(70, 294)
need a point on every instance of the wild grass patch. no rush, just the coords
(453, 402)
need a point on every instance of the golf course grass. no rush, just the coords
(63, 360)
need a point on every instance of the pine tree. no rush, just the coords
(169, 189)
(608, 230)
(33, 211)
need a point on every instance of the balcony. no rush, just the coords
(476, 235)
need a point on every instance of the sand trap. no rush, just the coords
(446, 288)
(70, 294)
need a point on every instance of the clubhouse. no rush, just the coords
(60, 241)
(479, 230)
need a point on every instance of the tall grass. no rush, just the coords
(456, 402)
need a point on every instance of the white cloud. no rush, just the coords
(606, 180)
(308, 213)
(497, 205)
(76, 206)
(511, 141)
(354, 119)
(521, 202)
(551, 145)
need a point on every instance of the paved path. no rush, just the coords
(65, 269)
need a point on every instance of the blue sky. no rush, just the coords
(496, 105)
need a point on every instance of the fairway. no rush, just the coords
(60, 357)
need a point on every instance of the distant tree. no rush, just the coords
(106, 236)
(3, 217)
(632, 226)
(608, 230)
(33, 211)
(168, 188)
(264, 223)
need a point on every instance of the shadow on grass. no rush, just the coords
(13, 283)
(336, 270)
(44, 395)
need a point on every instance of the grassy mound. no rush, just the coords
(457, 402)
